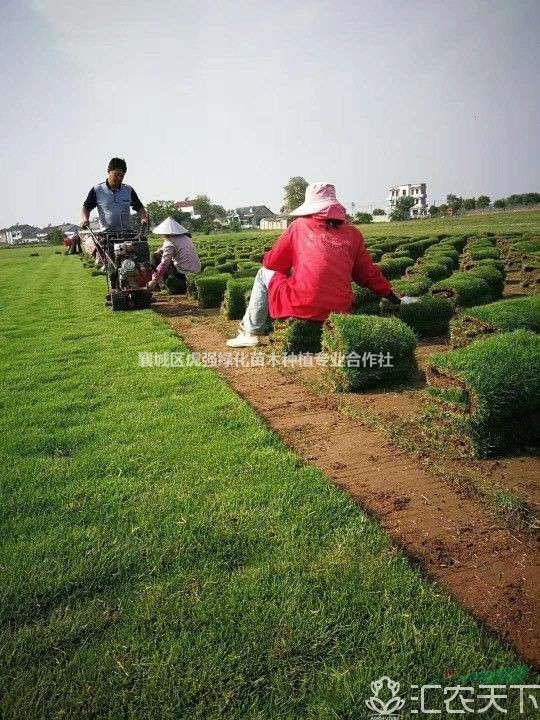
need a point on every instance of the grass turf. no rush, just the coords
(497, 380)
(377, 351)
(164, 555)
(499, 316)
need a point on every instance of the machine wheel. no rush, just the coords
(119, 300)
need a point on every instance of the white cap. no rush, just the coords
(170, 227)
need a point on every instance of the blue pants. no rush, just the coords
(257, 317)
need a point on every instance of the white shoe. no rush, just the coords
(243, 340)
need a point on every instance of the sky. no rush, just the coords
(231, 99)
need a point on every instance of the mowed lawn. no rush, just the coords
(164, 555)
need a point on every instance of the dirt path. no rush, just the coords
(457, 540)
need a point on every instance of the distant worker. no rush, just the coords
(74, 243)
(309, 271)
(177, 252)
(113, 200)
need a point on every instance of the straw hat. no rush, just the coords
(170, 227)
(319, 196)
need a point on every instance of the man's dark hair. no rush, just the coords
(117, 164)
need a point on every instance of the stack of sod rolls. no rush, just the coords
(234, 299)
(496, 317)
(211, 289)
(429, 317)
(374, 351)
(489, 391)
(293, 336)
(463, 289)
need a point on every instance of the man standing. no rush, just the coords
(113, 200)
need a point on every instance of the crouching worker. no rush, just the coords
(309, 271)
(177, 251)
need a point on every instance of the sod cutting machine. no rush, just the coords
(126, 258)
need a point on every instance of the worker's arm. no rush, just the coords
(280, 257)
(88, 205)
(139, 208)
(165, 263)
(369, 275)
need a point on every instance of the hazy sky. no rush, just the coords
(233, 98)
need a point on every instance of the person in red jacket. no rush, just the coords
(309, 271)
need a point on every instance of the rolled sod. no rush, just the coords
(365, 301)
(429, 317)
(413, 285)
(211, 289)
(375, 351)
(395, 267)
(463, 289)
(497, 317)
(493, 277)
(293, 336)
(490, 390)
(234, 299)
(435, 268)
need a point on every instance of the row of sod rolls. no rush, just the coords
(497, 317)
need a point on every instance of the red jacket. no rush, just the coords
(315, 267)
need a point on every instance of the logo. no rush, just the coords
(385, 708)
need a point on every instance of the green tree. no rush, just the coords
(55, 236)
(159, 210)
(363, 217)
(500, 204)
(433, 210)
(379, 211)
(454, 202)
(208, 212)
(294, 194)
(403, 208)
(483, 201)
(469, 203)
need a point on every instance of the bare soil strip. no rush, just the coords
(458, 540)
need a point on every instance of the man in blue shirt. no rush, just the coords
(113, 200)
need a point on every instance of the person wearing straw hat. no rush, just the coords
(177, 250)
(309, 271)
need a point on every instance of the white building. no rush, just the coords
(416, 191)
(21, 235)
(186, 206)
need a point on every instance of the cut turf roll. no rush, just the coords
(497, 317)
(463, 289)
(234, 299)
(413, 285)
(373, 351)
(429, 317)
(493, 277)
(211, 289)
(489, 391)
(482, 253)
(365, 301)
(435, 268)
(293, 336)
(395, 267)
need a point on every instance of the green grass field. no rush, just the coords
(526, 222)
(164, 555)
